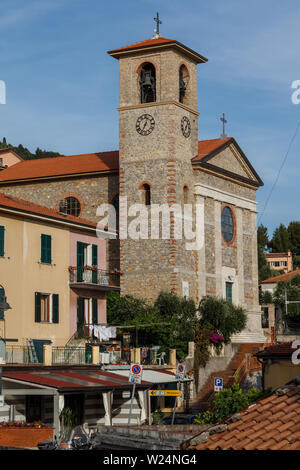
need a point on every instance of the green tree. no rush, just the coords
(180, 313)
(281, 240)
(264, 270)
(223, 316)
(292, 290)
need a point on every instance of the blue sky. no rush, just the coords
(62, 87)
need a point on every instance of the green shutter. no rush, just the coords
(94, 263)
(1, 298)
(95, 311)
(2, 229)
(95, 255)
(80, 319)
(55, 308)
(37, 317)
(80, 260)
(46, 251)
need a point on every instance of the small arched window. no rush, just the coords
(183, 83)
(146, 194)
(185, 194)
(148, 83)
(227, 224)
(70, 206)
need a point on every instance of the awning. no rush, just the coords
(85, 380)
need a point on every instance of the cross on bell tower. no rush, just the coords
(158, 22)
(224, 121)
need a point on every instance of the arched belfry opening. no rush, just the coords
(148, 83)
(183, 83)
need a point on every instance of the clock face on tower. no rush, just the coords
(185, 126)
(145, 124)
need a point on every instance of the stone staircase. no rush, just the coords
(237, 367)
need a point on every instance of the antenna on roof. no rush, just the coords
(158, 22)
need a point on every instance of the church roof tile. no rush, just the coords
(61, 166)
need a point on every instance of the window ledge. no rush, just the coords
(46, 264)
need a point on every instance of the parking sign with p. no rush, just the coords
(218, 384)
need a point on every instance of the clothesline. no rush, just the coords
(135, 325)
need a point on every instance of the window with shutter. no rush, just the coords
(80, 260)
(95, 311)
(2, 229)
(55, 308)
(95, 263)
(37, 316)
(46, 249)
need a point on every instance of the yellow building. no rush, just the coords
(37, 255)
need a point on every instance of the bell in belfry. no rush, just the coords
(147, 82)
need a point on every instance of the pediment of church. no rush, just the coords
(227, 158)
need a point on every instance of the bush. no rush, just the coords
(228, 402)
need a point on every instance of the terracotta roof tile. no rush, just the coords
(205, 147)
(61, 166)
(272, 423)
(146, 43)
(281, 277)
(155, 42)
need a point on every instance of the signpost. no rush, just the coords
(165, 393)
(218, 384)
(135, 377)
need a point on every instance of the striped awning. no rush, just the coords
(76, 379)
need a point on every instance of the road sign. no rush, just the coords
(180, 372)
(135, 374)
(218, 384)
(165, 393)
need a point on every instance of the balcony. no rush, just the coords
(92, 278)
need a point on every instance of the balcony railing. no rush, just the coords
(90, 275)
(69, 355)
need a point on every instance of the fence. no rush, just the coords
(70, 355)
(18, 355)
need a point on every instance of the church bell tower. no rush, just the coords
(158, 137)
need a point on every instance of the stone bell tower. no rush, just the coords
(158, 137)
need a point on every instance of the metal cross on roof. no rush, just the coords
(224, 121)
(158, 22)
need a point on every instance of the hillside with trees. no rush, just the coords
(24, 153)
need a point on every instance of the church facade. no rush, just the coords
(161, 162)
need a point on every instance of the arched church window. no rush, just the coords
(183, 82)
(227, 224)
(146, 194)
(148, 83)
(70, 206)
